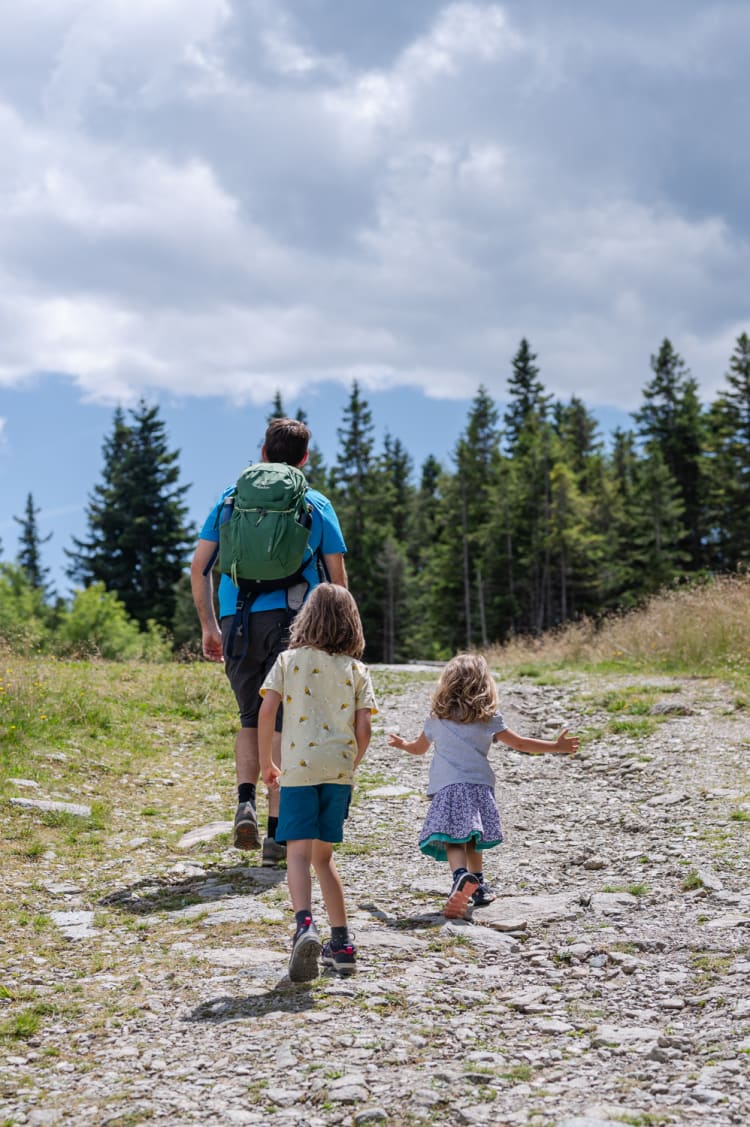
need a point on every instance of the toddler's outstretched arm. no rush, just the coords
(563, 745)
(415, 747)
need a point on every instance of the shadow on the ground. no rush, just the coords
(169, 893)
(286, 997)
(404, 923)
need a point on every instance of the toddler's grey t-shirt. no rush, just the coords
(461, 751)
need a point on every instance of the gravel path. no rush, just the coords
(609, 983)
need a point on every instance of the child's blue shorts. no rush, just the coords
(317, 812)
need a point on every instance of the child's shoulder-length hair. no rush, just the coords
(329, 620)
(466, 691)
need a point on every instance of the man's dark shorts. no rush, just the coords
(268, 637)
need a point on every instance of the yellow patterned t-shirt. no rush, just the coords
(320, 693)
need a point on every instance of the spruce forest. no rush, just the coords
(538, 519)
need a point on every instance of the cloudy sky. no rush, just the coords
(206, 200)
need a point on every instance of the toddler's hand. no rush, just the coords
(397, 741)
(565, 744)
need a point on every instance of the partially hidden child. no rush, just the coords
(328, 701)
(463, 818)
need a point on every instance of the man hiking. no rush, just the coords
(249, 642)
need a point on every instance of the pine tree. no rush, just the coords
(314, 468)
(477, 458)
(672, 417)
(530, 441)
(29, 557)
(659, 531)
(527, 399)
(729, 464)
(396, 499)
(277, 408)
(355, 489)
(578, 431)
(138, 536)
(571, 541)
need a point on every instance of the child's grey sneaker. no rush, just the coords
(272, 853)
(342, 959)
(246, 827)
(303, 961)
(483, 896)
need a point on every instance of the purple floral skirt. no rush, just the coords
(459, 814)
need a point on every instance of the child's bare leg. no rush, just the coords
(330, 882)
(456, 856)
(298, 879)
(473, 859)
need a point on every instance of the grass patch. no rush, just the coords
(633, 889)
(740, 816)
(638, 727)
(20, 1026)
(697, 629)
(518, 1074)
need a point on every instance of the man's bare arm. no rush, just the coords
(336, 568)
(202, 587)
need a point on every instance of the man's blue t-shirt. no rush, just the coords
(325, 534)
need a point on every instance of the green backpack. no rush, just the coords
(264, 528)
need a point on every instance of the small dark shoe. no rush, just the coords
(464, 887)
(303, 961)
(246, 827)
(483, 896)
(342, 959)
(272, 853)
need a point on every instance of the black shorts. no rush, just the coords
(268, 637)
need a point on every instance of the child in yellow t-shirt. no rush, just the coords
(328, 700)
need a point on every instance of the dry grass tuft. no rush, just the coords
(699, 628)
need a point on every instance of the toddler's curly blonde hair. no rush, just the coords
(466, 691)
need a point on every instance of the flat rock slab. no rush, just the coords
(612, 903)
(486, 937)
(238, 909)
(624, 1035)
(390, 792)
(204, 833)
(74, 925)
(672, 798)
(729, 919)
(589, 1121)
(239, 956)
(512, 913)
(388, 937)
(63, 888)
(52, 807)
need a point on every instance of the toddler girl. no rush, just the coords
(328, 700)
(463, 818)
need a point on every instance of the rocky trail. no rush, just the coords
(609, 982)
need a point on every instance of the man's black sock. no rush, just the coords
(339, 937)
(246, 792)
(272, 824)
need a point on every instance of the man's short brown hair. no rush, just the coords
(286, 441)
